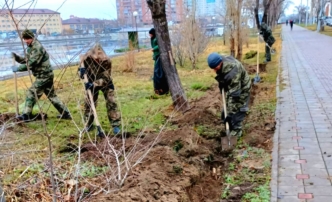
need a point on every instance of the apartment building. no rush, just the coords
(42, 20)
(126, 8)
(91, 25)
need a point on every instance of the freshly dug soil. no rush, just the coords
(187, 164)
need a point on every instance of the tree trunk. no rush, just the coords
(256, 15)
(158, 12)
(266, 11)
(239, 31)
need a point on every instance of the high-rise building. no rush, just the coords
(126, 8)
(205, 8)
(42, 20)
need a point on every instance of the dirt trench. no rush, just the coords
(187, 164)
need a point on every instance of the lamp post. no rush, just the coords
(135, 13)
(306, 15)
(214, 25)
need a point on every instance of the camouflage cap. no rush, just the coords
(27, 34)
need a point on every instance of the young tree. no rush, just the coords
(158, 11)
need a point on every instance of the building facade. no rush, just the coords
(42, 20)
(126, 8)
(82, 25)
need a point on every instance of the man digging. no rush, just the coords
(98, 68)
(37, 59)
(234, 79)
(266, 32)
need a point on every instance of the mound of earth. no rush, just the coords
(183, 165)
(252, 69)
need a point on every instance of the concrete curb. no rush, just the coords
(275, 151)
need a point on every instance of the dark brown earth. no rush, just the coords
(194, 172)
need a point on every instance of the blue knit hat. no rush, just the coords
(214, 60)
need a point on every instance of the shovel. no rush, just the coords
(272, 50)
(100, 131)
(16, 96)
(228, 142)
(257, 79)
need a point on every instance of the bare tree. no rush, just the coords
(158, 10)
(237, 27)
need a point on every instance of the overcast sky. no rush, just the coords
(81, 8)
(93, 8)
(291, 8)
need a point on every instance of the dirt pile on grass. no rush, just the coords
(252, 69)
(187, 164)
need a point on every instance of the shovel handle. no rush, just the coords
(92, 104)
(16, 96)
(257, 71)
(225, 108)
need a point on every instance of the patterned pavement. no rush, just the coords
(302, 157)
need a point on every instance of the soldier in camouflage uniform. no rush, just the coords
(269, 40)
(98, 67)
(37, 60)
(234, 79)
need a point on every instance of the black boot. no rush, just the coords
(24, 117)
(65, 115)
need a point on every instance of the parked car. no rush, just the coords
(329, 22)
(55, 34)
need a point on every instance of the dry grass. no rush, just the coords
(327, 29)
(133, 88)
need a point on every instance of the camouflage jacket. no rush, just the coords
(155, 47)
(37, 59)
(236, 82)
(98, 72)
(266, 32)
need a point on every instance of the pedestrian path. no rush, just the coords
(302, 158)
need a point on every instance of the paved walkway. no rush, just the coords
(302, 161)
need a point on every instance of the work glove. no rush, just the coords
(222, 115)
(221, 85)
(88, 86)
(111, 85)
(82, 72)
(15, 68)
(15, 56)
(228, 120)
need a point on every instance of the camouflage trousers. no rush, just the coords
(238, 117)
(113, 114)
(40, 86)
(268, 52)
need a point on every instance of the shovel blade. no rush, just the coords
(228, 144)
(257, 79)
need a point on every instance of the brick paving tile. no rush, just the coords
(303, 152)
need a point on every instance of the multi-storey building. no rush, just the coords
(205, 8)
(42, 20)
(126, 8)
(77, 24)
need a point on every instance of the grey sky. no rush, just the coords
(103, 9)
(81, 8)
(291, 8)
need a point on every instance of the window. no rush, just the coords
(8, 25)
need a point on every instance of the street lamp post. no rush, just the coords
(135, 13)
(300, 13)
(306, 15)
(214, 25)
